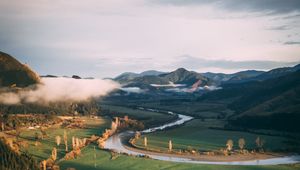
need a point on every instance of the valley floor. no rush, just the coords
(183, 137)
(104, 161)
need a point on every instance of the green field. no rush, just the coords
(103, 161)
(196, 134)
(147, 117)
(43, 151)
(179, 105)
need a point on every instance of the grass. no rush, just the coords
(194, 133)
(197, 135)
(43, 151)
(103, 161)
(191, 107)
(147, 117)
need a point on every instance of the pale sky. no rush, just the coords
(103, 38)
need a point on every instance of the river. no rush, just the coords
(115, 143)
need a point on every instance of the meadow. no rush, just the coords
(103, 161)
(43, 151)
(198, 135)
(147, 117)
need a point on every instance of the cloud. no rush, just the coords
(132, 89)
(59, 90)
(9, 98)
(171, 84)
(292, 43)
(191, 62)
(105, 38)
(266, 6)
(280, 28)
(190, 90)
(210, 88)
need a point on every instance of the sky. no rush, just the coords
(103, 38)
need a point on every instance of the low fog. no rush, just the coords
(133, 89)
(60, 89)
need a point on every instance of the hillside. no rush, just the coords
(244, 76)
(9, 159)
(263, 104)
(253, 75)
(219, 78)
(13, 72)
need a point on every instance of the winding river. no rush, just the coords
(115, 143)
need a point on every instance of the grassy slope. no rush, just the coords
(103, 161)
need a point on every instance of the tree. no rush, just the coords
(259, 143)
(58, 140)
(2, 126)
(72, 109)
(77, 143)
(2, 120)
(170, 146)
(95, 157)
(137, 135)
(94, 110)
(73, 142)
(44, 133)
(44, 162)
(18, 132)
(66, 140)
(145, 141)
(242, 143)
(54, 154)
(9, 159)
(229, 144)
(126, 118)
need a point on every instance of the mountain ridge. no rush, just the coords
(14, 73)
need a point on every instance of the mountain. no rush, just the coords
(151, 73)
(244, 76)
(129, 76)
(181, 77)
(76, 77)
(12, 72)
(219, 78)
(280, 112)
(277, 72)
(250, 75)
(264, 91)
(125, 77)
(49, 76)
(268, 104)
(253, 75)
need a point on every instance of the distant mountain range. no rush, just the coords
(14, 73)
(191, 79)
(158, 80)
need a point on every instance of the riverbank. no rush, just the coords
(119, 143)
